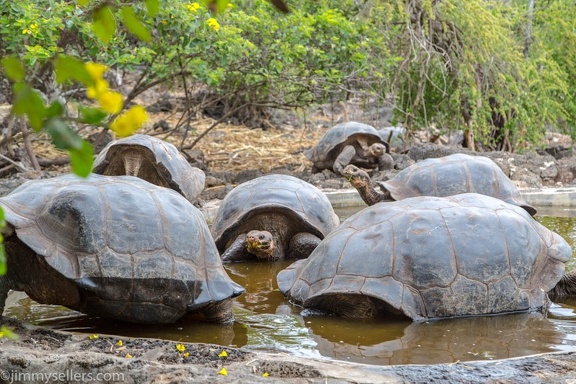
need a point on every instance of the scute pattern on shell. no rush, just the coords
(136, 251)
(454, 174)
(324, 150)
(303, 202)
(431, 257)
(168, 161)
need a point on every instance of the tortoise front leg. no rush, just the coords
(343, 159)
(237, 250)
(4, 289)
(302, 245)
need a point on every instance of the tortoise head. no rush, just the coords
(260, 243)
(356, 176)
(378, 149)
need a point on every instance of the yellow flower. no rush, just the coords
(96, 70)
(128, 356)
(223, 371)
(111, 101)
(26, 31)
(180, 347)
(92, 337)
(100, 86)
(193, 7)
(223, 354)
(265, 374)
(126, 124)
(213, 23)
(187, 354)
(119, 343)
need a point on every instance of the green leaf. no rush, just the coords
(81, 160)
(62, 135)
(83, 3)
(216, 6)
(71, 68)
(13, 67)
(152, 7)
(92, 115)
(103, 23)
(8, 333)
(56, 109)
(134, 25)
(28, 102)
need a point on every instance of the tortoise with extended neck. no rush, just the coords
(153, 160)
(115, 247)
(350, 143)
(431, 257)
(272, 217)
(443, 176)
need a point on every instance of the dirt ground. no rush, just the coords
(230, 155)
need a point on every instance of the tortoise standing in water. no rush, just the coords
(431, 257)
(114, 247)
(350, 143)
(443, 176)
(272, 217)
(153, 160)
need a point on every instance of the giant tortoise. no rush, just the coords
(115, 247)
(350, 143)
(272, 217)
(153, 160)
(443, 176)
(430, 257)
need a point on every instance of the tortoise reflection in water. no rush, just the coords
(115, 247)
(444, 176)
(431, 257)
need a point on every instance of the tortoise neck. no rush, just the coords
(371, 193)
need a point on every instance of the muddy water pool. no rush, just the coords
(265, 321)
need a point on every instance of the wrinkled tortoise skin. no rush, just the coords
(432, 257)
(261, 202)
(325, 152)
(452, 175)
(162, 164)
(116, 247)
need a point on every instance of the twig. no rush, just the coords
(12, 162)
(28, 145)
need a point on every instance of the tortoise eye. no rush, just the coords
(261, 237)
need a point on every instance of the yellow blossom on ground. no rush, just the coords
(119, 343)
(223, 371)
(92, 337)
(126, 124)
(180, 347)
(223, 354)
(187, 354)
(265, 374)
(193, 7)
(128, 356)
(111, 101)
(213, 23)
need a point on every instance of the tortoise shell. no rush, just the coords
(116, 247)
(304, 206)
(331, 143)
(432, 257)
(454, 174)
(162, 164)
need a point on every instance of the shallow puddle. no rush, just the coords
(266, 321)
